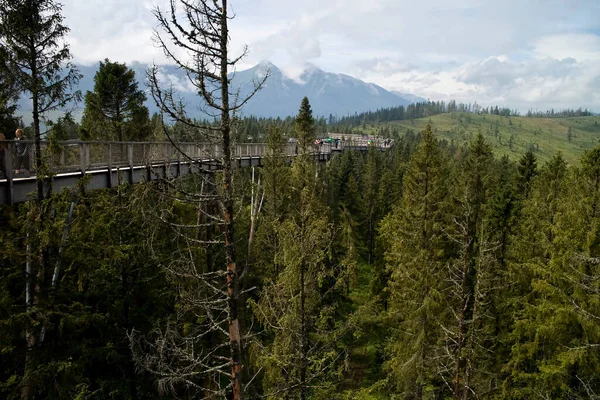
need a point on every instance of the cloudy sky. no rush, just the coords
(518, 53)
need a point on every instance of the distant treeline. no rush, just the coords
(430, 108)
(560, 113)
(254, 128)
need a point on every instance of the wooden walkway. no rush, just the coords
(109, 164)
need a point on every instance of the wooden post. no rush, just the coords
(9, 173)
(31, 156)
(87, 155)
(109, 165)
(82, 157)
(63, 150)
(130, 158)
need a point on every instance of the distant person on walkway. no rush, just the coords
(21, 151)
(2, 155)
(337, 142)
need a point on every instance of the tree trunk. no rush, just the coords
(233, 285)
(38, 146)
(33, 279)
(30, 337)
(303, 335)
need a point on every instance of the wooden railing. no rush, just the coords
(66, 161)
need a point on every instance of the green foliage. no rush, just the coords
(550, 134)
(430, 270)
(9, 95)
(415, 257)
(115, 109)
(38, 61)
(107, 284)
(305, 126)
(299, 304)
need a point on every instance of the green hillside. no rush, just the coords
(546, 135)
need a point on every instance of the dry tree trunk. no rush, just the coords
(200, 28)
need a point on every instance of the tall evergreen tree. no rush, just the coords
(548, 343)
(527, 171)
(9, 94)
(115, 109)
(277, 198)
(416, 256)
(305, 127)
(371, 179)
(300, 357)
(470, 274)
(32, 33)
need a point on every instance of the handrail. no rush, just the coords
(110, 162)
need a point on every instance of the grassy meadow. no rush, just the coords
(511, 136)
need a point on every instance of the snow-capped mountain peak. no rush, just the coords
(329, 93)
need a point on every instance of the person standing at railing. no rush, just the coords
(2, 155)
(21, 151)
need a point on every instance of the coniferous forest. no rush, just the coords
(422, 270)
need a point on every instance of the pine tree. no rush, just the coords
(9, 95)
(471, 275)
(38, 62)
(300, 356)
(416, 255)
(547, 340)
(115, 109)
(527, 170)
(32, 34)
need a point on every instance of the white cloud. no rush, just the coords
(535, 83)
(524, 54)
(581, 47)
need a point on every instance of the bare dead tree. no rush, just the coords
(466, 335)
(194, 35)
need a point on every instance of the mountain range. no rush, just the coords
(329, 93)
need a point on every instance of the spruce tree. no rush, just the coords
(305, 127)
(38, 61)
(115, 109)
(9, 95)
(527, 170)
(547, 339)
(299, 361)
(372, 173)
(415, 258)
(277, 199)
(32, 34)
(470, 274)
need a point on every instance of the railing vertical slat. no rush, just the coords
(8, 163)
(63, 150)
(130, 158)
(31, 166)
(82, 159)
(110, 175)
(87, 156)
